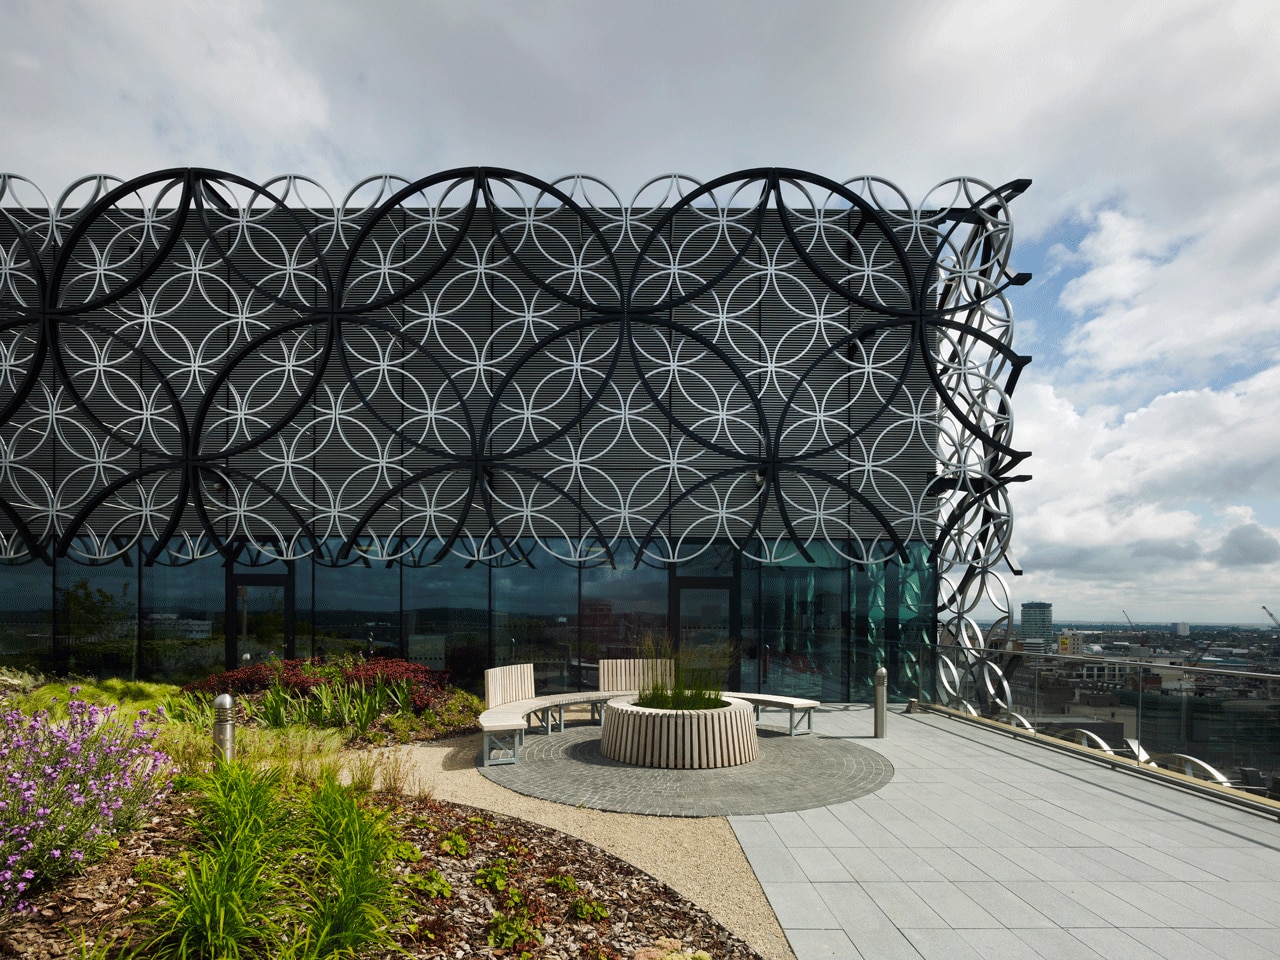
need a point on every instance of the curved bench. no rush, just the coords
(510, 704)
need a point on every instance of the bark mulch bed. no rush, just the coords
(106, 898)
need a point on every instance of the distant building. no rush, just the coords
(1037, 621)
(1181, 629)
(1070, 644)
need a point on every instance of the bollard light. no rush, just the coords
(224, 728)
(882, 700)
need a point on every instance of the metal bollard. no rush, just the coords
(882, 700)
(224, 728)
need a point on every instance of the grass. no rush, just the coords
(279, 867)
(130, 696)
(697, 675)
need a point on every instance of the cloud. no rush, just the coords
(1247, 545)
(1161, 505)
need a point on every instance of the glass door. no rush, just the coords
(259, 617)
(706, 623)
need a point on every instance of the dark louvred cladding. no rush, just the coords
(483, 359)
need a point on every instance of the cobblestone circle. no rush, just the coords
(792, 773)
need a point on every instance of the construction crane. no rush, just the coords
(1130, 619)
(1271, 615)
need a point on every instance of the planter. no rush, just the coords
(679, 739)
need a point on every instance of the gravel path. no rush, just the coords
(699, 858)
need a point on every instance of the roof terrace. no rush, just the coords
(984, 845)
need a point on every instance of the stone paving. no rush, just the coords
(792, 773)
(984, 846)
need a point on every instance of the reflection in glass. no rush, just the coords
(182, 619)
(357, 606)
(26, 626)
(446, 619)
(798, 612)
(620, 607)
(96, 618)
(535, 619)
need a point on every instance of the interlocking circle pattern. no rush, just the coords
(484, 364)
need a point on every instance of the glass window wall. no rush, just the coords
(535, 619)
(446, 617)
(26, 620)
(96, 617)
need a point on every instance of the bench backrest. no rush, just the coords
(632, 674)
(505, 684)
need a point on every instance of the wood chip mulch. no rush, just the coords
(104, 900)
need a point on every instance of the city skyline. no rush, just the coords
(1149, 133)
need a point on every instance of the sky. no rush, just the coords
(1151, 132)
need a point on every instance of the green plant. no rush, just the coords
(225, 895)
(394, 772)
(278, 869)
(278, 709)
(454, 844)
(352, 898)
(405, 852)
(363, 772)
(104, 948)
(495, 877)
(512, 930)
(219, 908)
(591, 910)
(129, 697)
(696, 677)
(431, 882)
(193, 708)
(403, 726)
(563, 882)
(149, 869)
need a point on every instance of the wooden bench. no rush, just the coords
(510, 704)
(800, 709)
(634, 674)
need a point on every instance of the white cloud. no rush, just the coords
(1151, 507)
(129, 87)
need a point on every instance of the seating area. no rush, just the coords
(512, 706)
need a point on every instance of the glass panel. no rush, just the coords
(97, 618)
(620, 608)
(446, 619)
(26, 622)
(260, 621)
(706, 630)
(704, 617)
(917, 620)
(800, 616)
(183, 608)
(357, 607)
(535, 619)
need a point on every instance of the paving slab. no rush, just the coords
(983, 845)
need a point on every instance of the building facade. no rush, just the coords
(480, 417)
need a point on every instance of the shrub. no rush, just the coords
(67, 787)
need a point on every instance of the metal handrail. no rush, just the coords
(1094, 658)
(1143, 768)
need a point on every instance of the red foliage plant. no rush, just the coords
(428, 688)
